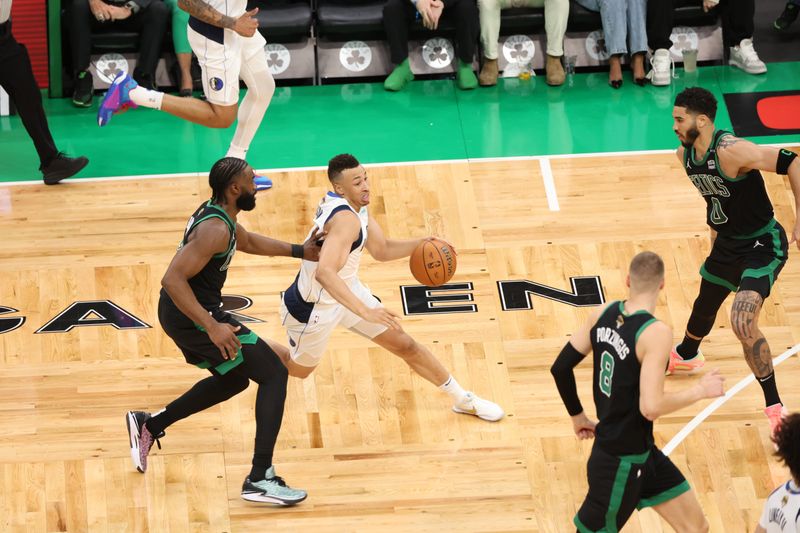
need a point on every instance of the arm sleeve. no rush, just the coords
(565, 378)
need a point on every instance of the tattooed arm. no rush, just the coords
(246, 25)
(737, 156)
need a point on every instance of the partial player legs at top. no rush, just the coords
(223, 62)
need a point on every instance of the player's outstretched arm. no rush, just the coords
(253, 243)
(571, 355)
(653, 346)
(209, 238)
(743, 155)
(383, 249)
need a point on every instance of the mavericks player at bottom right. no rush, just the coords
(782, 510)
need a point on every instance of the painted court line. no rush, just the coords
(549, 184)
(387, 164)
(716, 404)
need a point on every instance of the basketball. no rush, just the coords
(433, 263)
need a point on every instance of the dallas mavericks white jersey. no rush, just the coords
(782, 510)
(310, 290)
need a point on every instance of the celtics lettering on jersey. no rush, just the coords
(735, 205)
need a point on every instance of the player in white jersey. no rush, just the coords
(225, 39)
(328, 293)
(782, 509)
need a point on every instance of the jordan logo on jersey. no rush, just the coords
(712, 165)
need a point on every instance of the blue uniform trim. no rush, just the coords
(207, 30)
(335, 210)
(296, 305)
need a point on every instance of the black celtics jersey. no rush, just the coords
(735, 205)
(621, 427)
(207, 284)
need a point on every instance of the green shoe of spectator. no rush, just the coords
(399, 77)
(465, 77)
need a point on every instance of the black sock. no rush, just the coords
(258, 472)
(158, 423)
(688, 348)
(770, 389)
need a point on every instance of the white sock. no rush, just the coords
(146, 97)
(455, 391)
(237, 152)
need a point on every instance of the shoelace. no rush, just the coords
(277, 479)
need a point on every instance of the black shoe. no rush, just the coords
(788, 16)
(62, 167)
(84, 89)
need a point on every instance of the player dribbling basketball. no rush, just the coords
(329, 293)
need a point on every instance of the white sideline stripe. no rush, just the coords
(713, 406)
(390, 164)
(549, 184)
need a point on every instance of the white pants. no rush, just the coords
(308, 341)
(222, 63)
(556, 13)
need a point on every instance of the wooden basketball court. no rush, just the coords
(376, 447)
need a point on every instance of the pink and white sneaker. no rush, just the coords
(678, 365)
(117, 99)
(775, 413)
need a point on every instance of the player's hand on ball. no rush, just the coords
(313, 245)
(712, 384)
(583, 426)
(381, 315)
(448, 243)
(247, 24)
(224, 337)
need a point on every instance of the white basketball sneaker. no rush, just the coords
(745, 57)
(663, 68)
(484, 409)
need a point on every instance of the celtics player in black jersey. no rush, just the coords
(630, 349)
(190, 311)
(749, 247)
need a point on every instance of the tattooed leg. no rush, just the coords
(744, 320)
